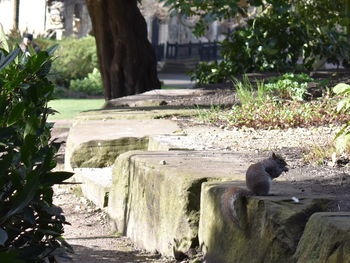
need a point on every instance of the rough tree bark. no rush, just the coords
(127, 59)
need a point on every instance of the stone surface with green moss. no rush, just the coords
(269, 229)
(326, 238)
(155, 196)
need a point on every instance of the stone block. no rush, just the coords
(326, 239)
(95, 184)
(272, 228)
(97, 143)
(155, 196)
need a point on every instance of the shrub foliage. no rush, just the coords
(31, 226)
(75, 59)
(304, 35)
(342, 139)
(91, 85)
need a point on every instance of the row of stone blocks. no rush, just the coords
(170, 202)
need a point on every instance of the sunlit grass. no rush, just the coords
(69, 108)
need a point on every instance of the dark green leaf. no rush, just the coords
(65, 244)
(49, 232)
(22, 198)
(31, 126)
(28, 216)
(6, 161)
(16, 113)
(3, 237)
(6, 133)
(55, 177)
(52, 49)
(28, 149)
(9, 58)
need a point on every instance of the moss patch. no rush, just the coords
(100, 153)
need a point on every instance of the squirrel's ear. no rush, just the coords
(274, 155)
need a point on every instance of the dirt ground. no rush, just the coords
(90, 234)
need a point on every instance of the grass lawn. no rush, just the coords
(69, 108)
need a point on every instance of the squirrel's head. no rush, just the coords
(280, 161)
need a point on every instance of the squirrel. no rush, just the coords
(258, 180)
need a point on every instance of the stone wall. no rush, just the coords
(67, 18)
(48, 18)
(164, 27)
(77, 19)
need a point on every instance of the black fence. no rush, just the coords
(207, 51)
(159, 50)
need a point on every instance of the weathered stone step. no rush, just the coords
(155, 196)
(326, 238)
(95, 184)
(136, 113)
(170, 202)
(96, 138)
(155, 98)
(96, 143)
(270, 227)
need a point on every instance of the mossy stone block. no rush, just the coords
(272, 228)
(326, 239)
(155, 196)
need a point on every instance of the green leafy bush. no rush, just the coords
(31, 226)
(342, 139)
(76, 58)
(290, 86)
(298, 40)
(286, 87)
(91, 85)
(208, 73)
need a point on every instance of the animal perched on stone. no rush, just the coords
(258, 180)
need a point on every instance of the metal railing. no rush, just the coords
(204, 51)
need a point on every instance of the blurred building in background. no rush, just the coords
(46, 18)
(63, 18)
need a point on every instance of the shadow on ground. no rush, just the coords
(91, 255)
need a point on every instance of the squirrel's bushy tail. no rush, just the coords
(233, 206)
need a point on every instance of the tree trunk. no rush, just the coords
(15, 4)
(127, 60)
